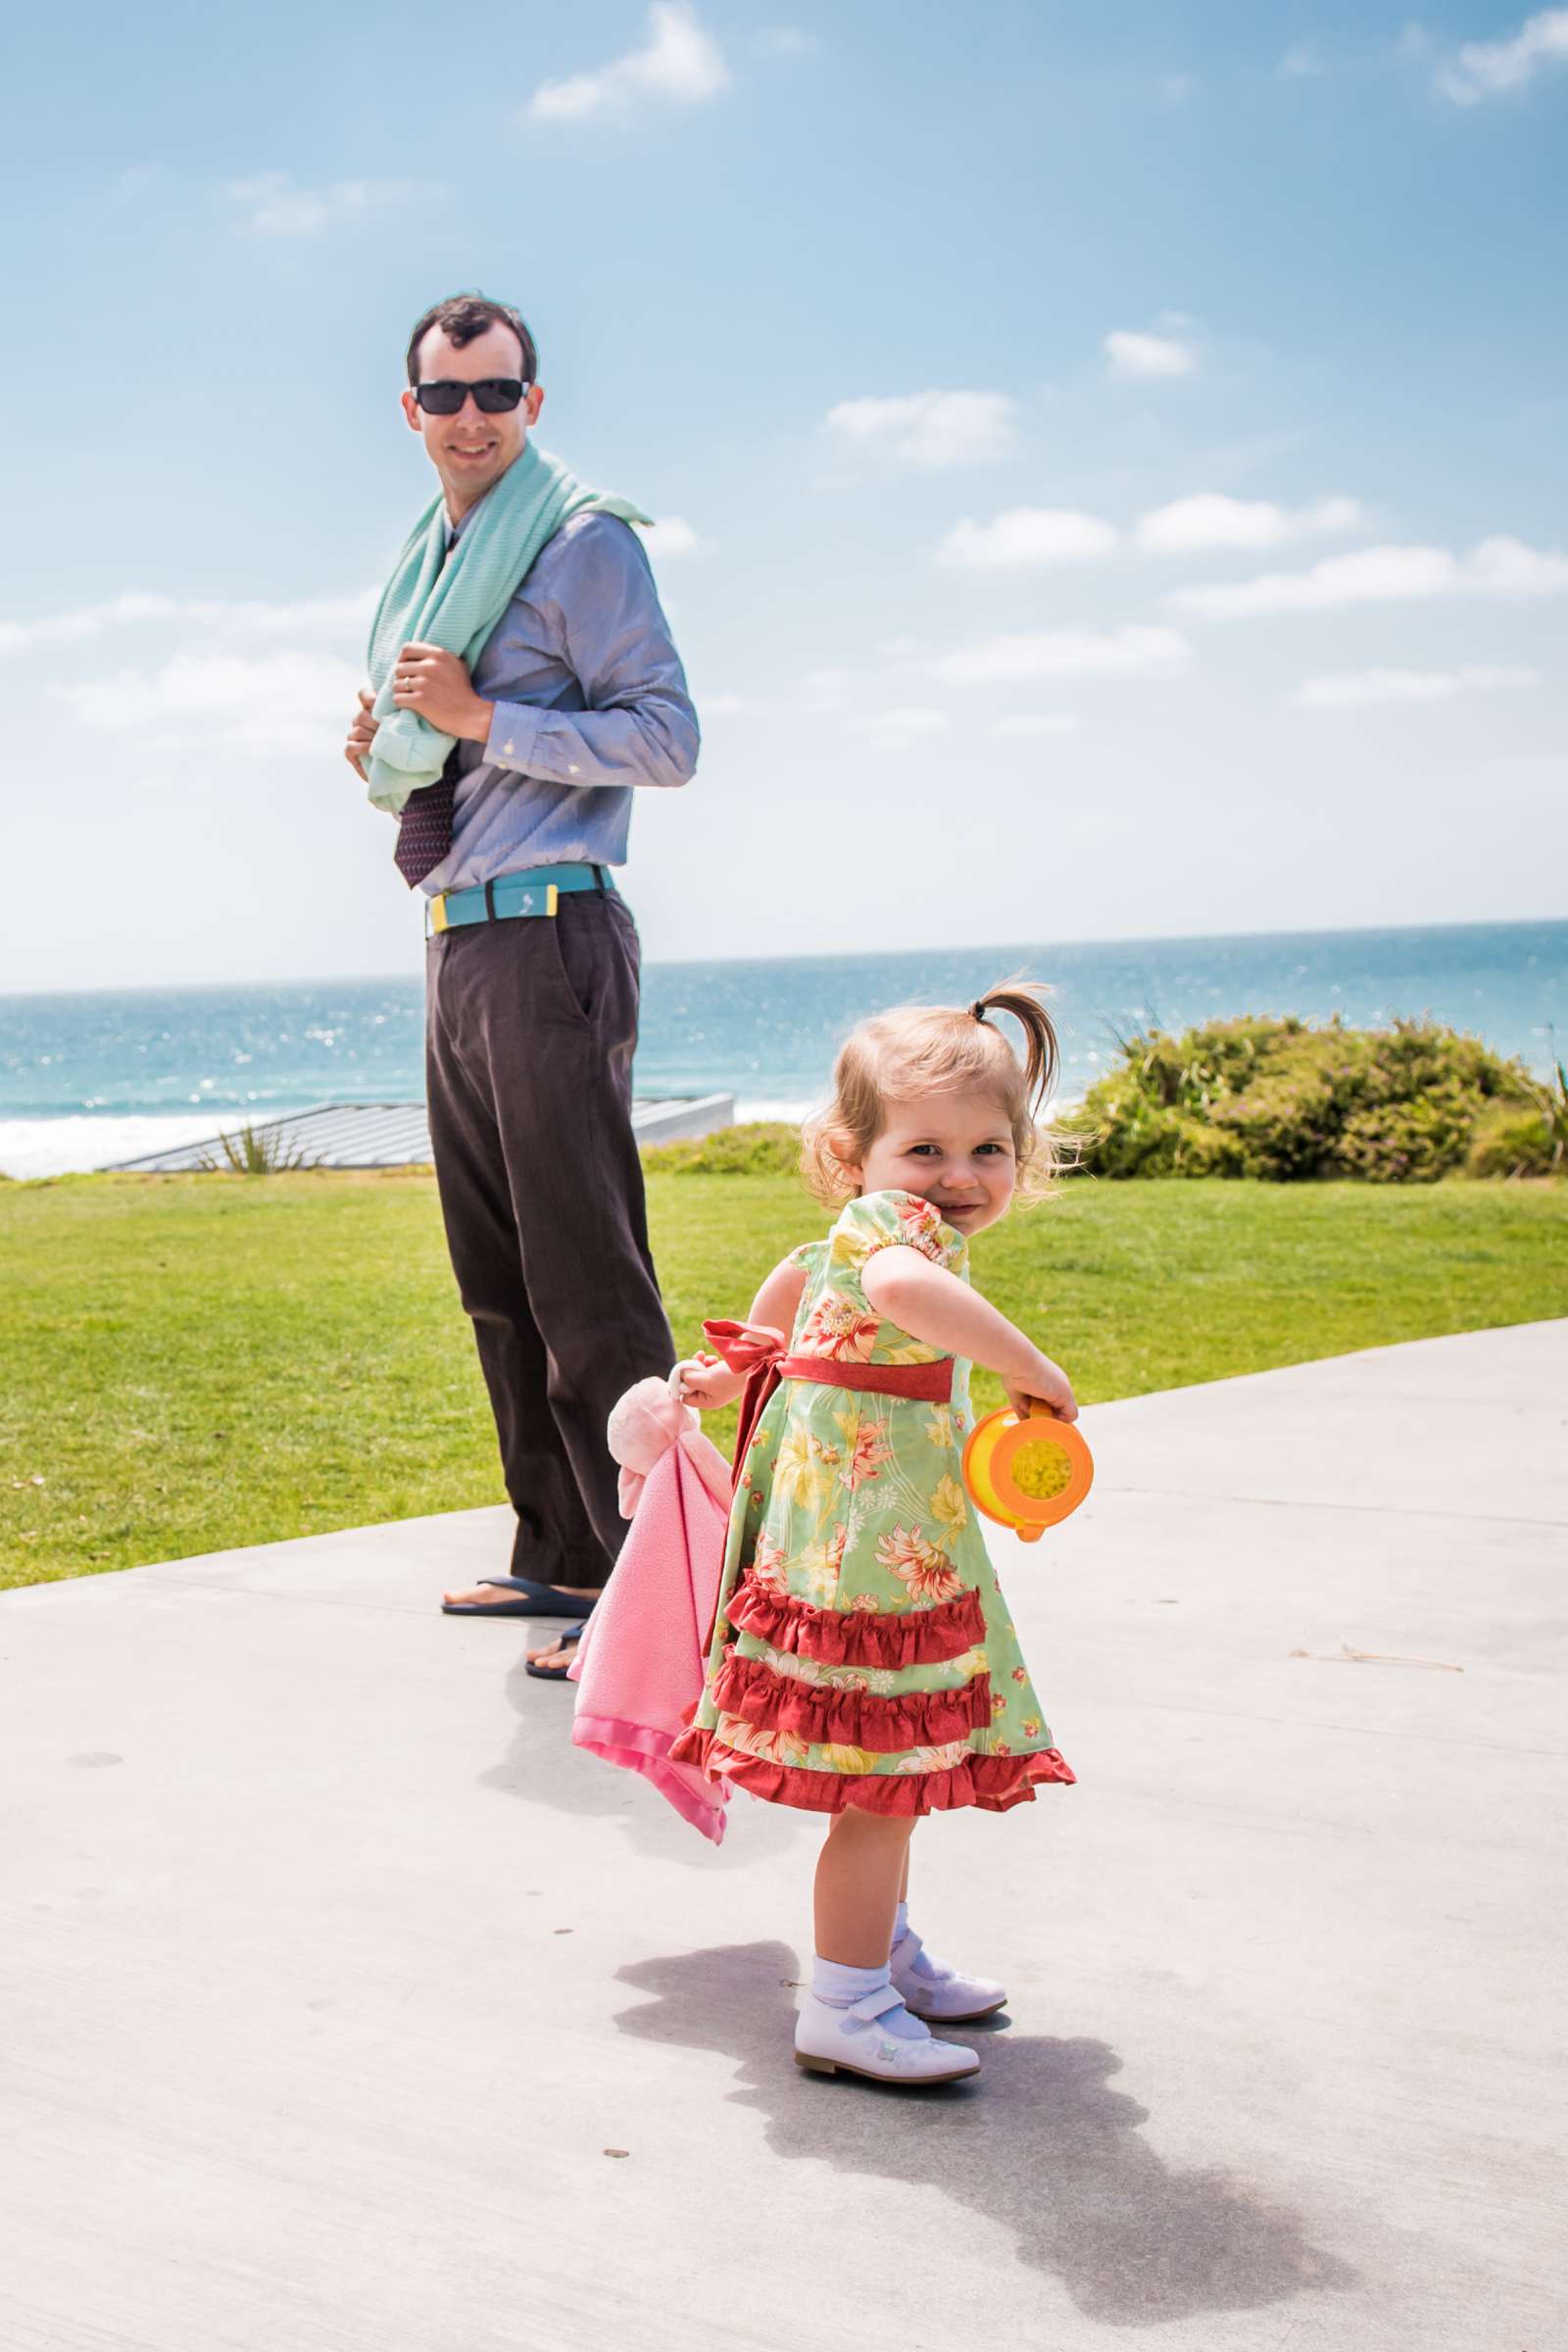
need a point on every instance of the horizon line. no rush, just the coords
(831, 956)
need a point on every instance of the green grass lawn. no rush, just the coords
(196, 1363)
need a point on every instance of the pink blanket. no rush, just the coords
(639, 1666)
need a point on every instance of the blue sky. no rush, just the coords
(1111, 464)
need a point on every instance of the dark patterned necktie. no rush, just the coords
(424, 828)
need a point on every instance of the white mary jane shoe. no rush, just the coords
(949, 1999)
(850, 2042)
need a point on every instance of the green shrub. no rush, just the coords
(1511, 1141)
(1413, 1142)
(1280, 1100)
(758, 1148)
(1514, 1140)
(1120, 1133)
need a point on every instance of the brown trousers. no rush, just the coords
(530, 1025)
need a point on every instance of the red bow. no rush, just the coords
(758, 1351)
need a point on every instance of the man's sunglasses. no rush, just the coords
(493, 394)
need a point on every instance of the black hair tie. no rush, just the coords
(977, 1010)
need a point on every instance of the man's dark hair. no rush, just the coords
(461, 316)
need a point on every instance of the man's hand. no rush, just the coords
(436, 684)
(361, 734)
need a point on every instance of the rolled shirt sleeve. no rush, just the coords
(599, 607)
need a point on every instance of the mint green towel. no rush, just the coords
(457, 603)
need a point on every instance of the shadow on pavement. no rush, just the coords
(1039, 2143)
(541, 1763)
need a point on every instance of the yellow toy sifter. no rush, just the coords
(1027, 1473)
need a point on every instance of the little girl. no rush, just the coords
(862, 1662)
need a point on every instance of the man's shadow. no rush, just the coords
(1039, 2143)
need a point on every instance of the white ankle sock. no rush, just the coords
(839, 1988)
(928, 1969)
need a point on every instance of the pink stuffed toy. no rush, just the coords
(639, 1666)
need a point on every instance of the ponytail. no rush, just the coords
(1025, 1000)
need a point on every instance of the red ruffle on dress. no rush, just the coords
(863, 1653)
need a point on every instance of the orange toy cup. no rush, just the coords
(1027, 1473)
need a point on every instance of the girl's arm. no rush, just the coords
(708, 1383)
(934, 1306)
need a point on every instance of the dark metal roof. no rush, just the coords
(396, 1135)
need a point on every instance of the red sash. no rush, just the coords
(758, 1350)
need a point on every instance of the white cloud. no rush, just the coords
(1127, 653)
(680, 61)
(1143, 357)
(930, 430)
(828, 689)
(270, 205)
(1174, 89)
(674, 535)
(721, 705)
(1299, 63)
(1501, 569)
(1211, 519)
(335, 615)
(1354, 690)
(895, 730)
(1023, 537)
(86, 620)
(1023, 725)
(287, 702)
(787, 40)
(1482, 69)
(345, 617)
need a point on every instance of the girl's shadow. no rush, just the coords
(1039, 2143)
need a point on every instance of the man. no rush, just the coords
(575, 698)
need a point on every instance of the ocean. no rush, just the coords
(87, 1079)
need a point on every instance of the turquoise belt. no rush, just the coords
(535, 890)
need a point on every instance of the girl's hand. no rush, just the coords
(1047, 1384)
(705, 1381)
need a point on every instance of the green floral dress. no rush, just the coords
(863, 1653)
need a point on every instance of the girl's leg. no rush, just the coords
(863, 1864)
(900, 1917)
(854, 2019)
(930, 1987)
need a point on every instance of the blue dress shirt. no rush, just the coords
(590, 700)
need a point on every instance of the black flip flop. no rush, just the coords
(528, 1601)
(557, 1674)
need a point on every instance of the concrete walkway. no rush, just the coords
(347, 2009)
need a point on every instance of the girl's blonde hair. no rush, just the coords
(921, 1050)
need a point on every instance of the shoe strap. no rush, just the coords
(872, 2005)
(906, 1952)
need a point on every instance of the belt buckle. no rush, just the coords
(438, 912)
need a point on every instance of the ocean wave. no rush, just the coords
(792, 1111)
(79, 1144)
(72, 1147)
